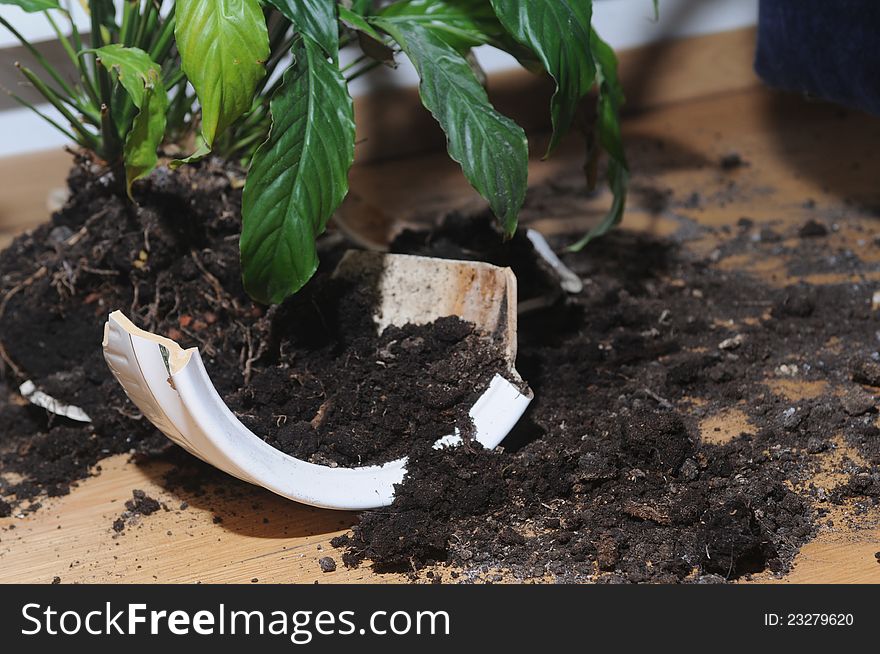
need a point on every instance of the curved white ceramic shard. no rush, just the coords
(35, 396)
(172, 389)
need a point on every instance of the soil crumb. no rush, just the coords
(139, 505)
(732, 161)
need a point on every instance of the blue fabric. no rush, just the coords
(826, 48)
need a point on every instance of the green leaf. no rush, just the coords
(463, 24)
(223, 48)
(147, 131)
(297, 177)
(202, 150)
(491, 148)
(372, 43)
(32, 6)
(358, 22)
(315, 19)
(608, 127)
(610, 99)
(142, 80)
(362, 7)
(105, 12)
(558, 33)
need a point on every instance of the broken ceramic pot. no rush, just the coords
(172, 389)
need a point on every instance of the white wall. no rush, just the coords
(623, 23)
(35, 26)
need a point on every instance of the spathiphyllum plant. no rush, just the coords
(206, 75)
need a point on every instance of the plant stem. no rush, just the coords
(277, 55)
(173, 78)
(44, 63)
(88, 81)
(363, 71)
(90, 107)
(63, 40)
(159, 50)
(129, 22)
(253, 138)
(178, 108)
(111, 148)
(147, 26)
(354, 62)
(45, 117)
(55, 100)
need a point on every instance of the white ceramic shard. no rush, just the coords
(35, 396)
(172, 389)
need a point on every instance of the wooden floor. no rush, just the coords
(794, 151)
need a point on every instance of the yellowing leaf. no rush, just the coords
(223, 48)
(142, 80)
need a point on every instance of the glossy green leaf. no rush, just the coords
(558, 33)
(315, 19)
(32, 6)
(223, 48)
(372, 43)
(608, 130)
(298, 176)
(358, 22)
(362, 7)
(463, 24)
(491, 148)
(142, 80)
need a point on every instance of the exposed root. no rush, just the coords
(4, 356)
(19, 287)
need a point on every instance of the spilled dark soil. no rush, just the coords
(312, 376)
(340, 395)
(606, 477)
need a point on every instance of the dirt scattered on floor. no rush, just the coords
(138, 506)
(604, 479)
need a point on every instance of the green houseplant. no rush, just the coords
(207, 75)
